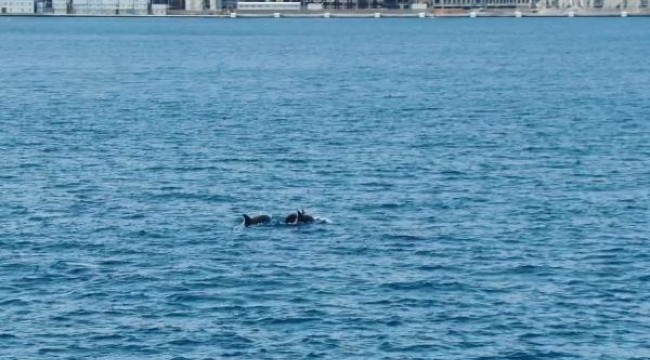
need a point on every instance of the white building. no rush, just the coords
(593, 4)
(609, 5)
(17, 6)
(203, 5)
(159, 9)
(60, 7)
(110, 7)
(194, 5)
(268, 5)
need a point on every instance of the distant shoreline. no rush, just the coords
(354, 14)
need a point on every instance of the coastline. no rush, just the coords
(357, 14)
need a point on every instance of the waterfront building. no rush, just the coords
(269, 5)
(17, 6)
(194, 5)
(202, 5)
(163, 7)
(110, 7)
(159, 9)
(444, 6)
(441, 5)
(60, 7)
(593, 4)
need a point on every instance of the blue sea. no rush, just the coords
(486, 186)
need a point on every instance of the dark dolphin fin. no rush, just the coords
(305, 218)
(247, 220)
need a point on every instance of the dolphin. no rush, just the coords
(304, 218)
(291, 219)
(256, 220)
(298, 218)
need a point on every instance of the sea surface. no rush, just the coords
(486, 186)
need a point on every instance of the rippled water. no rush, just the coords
(487, 183)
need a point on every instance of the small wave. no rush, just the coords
(390, 206)
(134, 349)
(71, 265)
(236, 355)
(107, 337)
(30, 165)
(537, 354)
(186, 298)
(136, 216)
(231, 340)
(185, 342)
(183, 195)
(526, 269)
(436, 267)
(452, 172)
(14, 302)
(147, 234)
(406, 237)
(422, 108)
(322, 220)
(113, 262)
(388, 347)
(177, 315)
(424, 285)
(288, 320)
(94, 295)
(50, 350)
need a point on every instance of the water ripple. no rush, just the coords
(486, 192)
